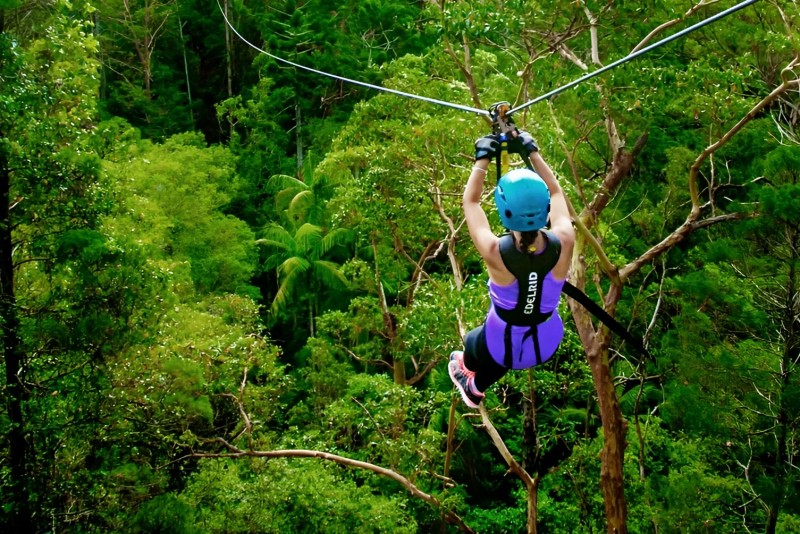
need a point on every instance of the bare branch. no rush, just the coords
(691, 223)
(436, 195)
(419, 375)
(649, 330)
(236, 452)
(248, 426)
(593, 34)
(695, 169)
(673, 22)
(513, 465)
(466, 69)
(620, 168)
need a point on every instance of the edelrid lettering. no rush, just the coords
(533, 278)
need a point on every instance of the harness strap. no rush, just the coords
(613, 325)
(508, 358)
(533, 333)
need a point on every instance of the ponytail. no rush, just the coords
(527, 240)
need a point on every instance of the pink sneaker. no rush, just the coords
(464, 379)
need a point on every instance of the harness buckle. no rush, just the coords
(502, 126)
(502, 123)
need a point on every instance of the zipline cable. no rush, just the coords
(569, 289)
(545, 96)
(348, 80)
(636, 54)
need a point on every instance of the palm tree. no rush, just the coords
(303, 269)
(301, 199)
(301, 243)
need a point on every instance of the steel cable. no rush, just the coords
(349, 80)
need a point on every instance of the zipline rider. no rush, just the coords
(527, 267)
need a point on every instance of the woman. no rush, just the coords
(527, 269)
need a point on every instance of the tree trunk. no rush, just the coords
(399, 372)
(298, 138)
(612, 456)
(791, 348)
(530, 455)
(186, 69)
(531, 482)
(596, 343)
(530, 443)
(228, 49)
(390, 326)
(533, 505)
(21, 520)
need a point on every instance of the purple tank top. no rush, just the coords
(550, 332)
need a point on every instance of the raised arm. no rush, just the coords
(479, 229)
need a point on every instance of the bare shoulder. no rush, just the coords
(495, 265)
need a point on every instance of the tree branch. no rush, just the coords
(236, 452)
(466, 69)
(436, 194)
(691, 223)
(513, 465)
(786, 83)
(694, 9)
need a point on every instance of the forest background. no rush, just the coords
(229, 287)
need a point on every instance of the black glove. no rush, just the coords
(523, 144)
(486, 147)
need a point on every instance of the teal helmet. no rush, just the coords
(523, 200)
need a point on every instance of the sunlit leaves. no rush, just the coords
(173, 196)
(291, 496)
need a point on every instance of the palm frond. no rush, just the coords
(650, 393)
(557, 417)
(285, 290)
(329, 273)
(272, 243)
(308, 237)
(293, 266)
(298, 201)
(284, 198)
(278, 234)
(337, 236)
(284, 181)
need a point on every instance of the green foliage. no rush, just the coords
(694, 492)
(138, 278)
(290, 496)
(165, 514)
(503, 519)
(187, 379)
(259, 142)
(300, 261)
(173, 198)
(146, 77)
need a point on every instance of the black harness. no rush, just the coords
(530, 271)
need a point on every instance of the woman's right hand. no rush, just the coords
(486, 147)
